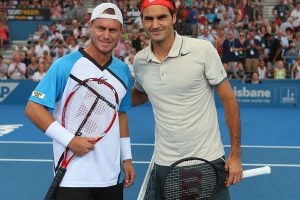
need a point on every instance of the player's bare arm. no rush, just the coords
(127, 164)
(40, 116)
(232, 115)
(138, 97)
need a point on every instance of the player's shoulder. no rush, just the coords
(68, 58)
(118, 62)
(142, 54)
(196, 43)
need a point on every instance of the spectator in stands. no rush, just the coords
(40, 73)
(144, 40)
(16, 69)
(220, 38)
(40, 48)
(252, 47)
(286, 24)
(290, 55)
(132, 53)
(73, 46)
(229, 11)
(262, 69)
(68, 31)
(80, 12)
(224, 20)
(289, 34)
(281, 11)
(3, 35)
(210, 15)
(268, 26)
(242, 39)
(193, 21)
(56, 11)
(54, 33)
(251, 10)
(84, 41)
(255, 78)
(274, 47)
(297, 39)
(47, 58)
(121, 45)
(2, 9)
(231, 48)
(279, 70)
(283, 40)
(59, 49)
(32, 67)
(206, 35)
(3, 69)
(202, 19)
(295, 15)
(23, 4)
(135, 40)
(130, 65)
(79, 31)
(259, 20)
(219, 10)
(231, 27)
(296, 69)
(241, 73)
(35, 4)
(11, 4)
(182, 16)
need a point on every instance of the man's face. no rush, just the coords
(158, 23)
(105, 34)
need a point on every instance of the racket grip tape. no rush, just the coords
(55, 183)
(256, 171)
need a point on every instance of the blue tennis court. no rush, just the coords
(270, 136)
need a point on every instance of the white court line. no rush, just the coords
(23, 142)
(149, 144)
(24, 160)
(148, 162)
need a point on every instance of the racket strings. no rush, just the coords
(88, 111)
(190, 180)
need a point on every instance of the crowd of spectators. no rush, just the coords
(251, 47)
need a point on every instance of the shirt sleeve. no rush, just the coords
(51, 87)
(214, 70)
(125, 104)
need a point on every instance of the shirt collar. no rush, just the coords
(176, 50)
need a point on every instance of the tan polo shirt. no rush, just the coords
(181, 91)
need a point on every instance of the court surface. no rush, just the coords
(270, 136)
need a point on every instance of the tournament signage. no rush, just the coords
(29, 14)
(270, 93)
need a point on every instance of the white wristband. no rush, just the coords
(125, 148)
(57, 132)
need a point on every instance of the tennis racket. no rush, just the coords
(196, 179)
(89, 111)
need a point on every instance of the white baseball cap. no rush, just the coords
(98, 12)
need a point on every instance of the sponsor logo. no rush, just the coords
(38, 95)
(288, 95)
(6, 129)
(6, 89)
(254, 93)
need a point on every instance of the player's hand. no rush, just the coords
(129, 173)
(81, 145)
(235, 172)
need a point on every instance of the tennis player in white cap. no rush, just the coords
(95, 172)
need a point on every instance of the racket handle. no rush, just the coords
(55, 183)
(256, 171)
